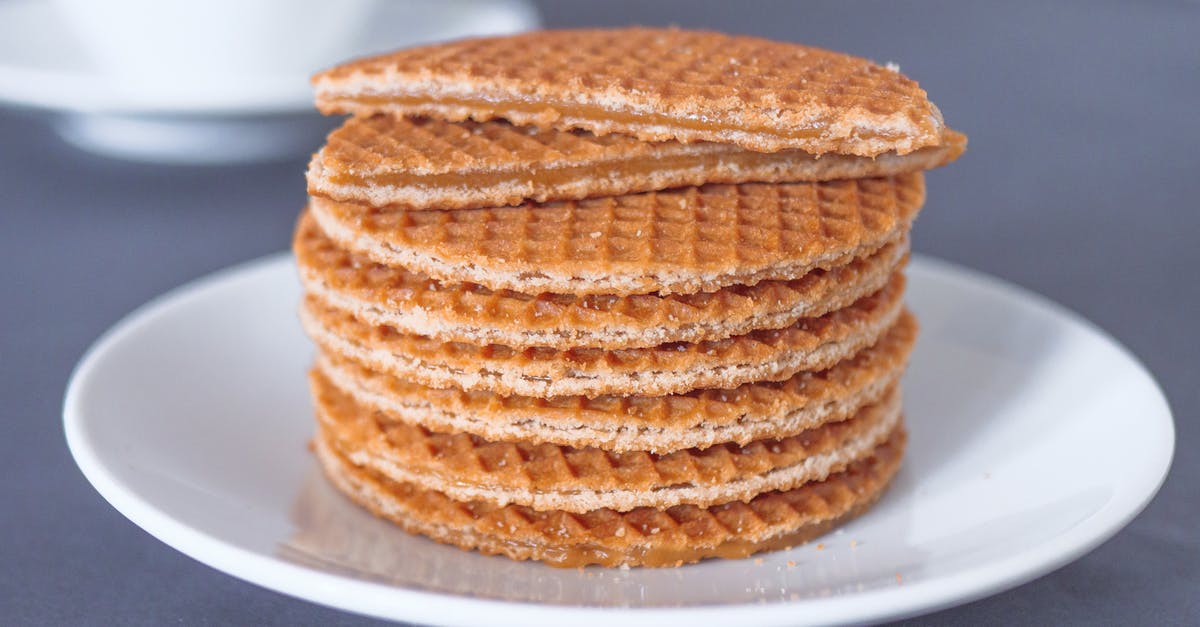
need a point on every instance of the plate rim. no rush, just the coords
(433, 607)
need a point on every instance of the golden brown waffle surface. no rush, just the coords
(695, 419)
(548, 476)
(653, 84)
(627, 297)
(696, 239)
(458, 312)
(767, 355)
(426, 163)
(641, 537)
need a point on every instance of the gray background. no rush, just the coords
(1081, 183)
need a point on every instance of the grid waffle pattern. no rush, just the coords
(638, 423)
(463, 312)
(763, 399)
(383, 144)
(654, 84)
(428, 163)
(686, 240)
(644, 536)
(616, 297)
(776, 354)
(521, 471)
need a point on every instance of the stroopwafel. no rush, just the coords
(642, 537)
(386, 160)
(652, 84)
(549, 476)
(694, 239)
(659, 424)
(766, 355)
(463, 312)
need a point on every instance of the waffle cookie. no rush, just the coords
(647, 536)
(766, 355)
(621, 424)
(694, 239)
(652, 84)
(424, 163)
(614, 297)
(549, 476)
(459, 312)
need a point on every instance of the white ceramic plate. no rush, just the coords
(257, 118)
(1034, 437)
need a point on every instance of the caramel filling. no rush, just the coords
(638, 167)
(501, 107)
(645, 166)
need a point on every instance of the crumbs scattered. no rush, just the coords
(758, 561)
(899, 578)
(791, 564)
(821, 546)
(854, 544)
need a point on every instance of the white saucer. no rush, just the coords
(43, 67)
(1033, 438)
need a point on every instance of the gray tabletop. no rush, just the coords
(1082, 182)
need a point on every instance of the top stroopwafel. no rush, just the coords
(433, 164)
(653, 84)
(693, 239)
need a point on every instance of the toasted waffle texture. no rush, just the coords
(652, 84)
(386, 160)
(548, 476)
(769, 355)
(622, 424)
(629, 297)
(463, 312)
(641, 537)
(694, 239)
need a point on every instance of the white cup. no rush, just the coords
(197, 46)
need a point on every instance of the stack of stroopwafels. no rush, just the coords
(627, 297)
